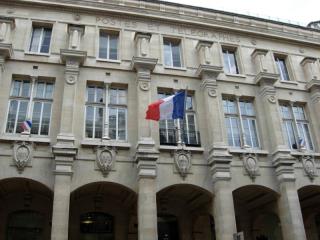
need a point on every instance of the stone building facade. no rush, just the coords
(91, 167)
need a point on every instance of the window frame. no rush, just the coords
(178, 122)
(285, 58)
(42, 25)
(30, 104)
(238, 63)
(106, 105)
(109, 31)
(172, 40)
(240, 119)
(309, 143)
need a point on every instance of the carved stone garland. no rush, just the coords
(250, 164)
(105, 158)
(182, 159)
(22, 153)
(309, 166)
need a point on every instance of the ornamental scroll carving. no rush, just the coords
(22, 153)
(251, 165)
(182, 159)
(309, 166)
(105, 159)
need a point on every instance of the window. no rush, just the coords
(172, 53)
(30, 101)
(108, 45)
(282, 68)
(40, 40)
(296, 127)
(188, 126)
(230, 61)
(96, 113)
(240, 122)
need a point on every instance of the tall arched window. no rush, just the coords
(25, 225)
(96, 226)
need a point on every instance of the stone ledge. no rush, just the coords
(171, 148)
(111, 143)
(254, 151)
(13, 138)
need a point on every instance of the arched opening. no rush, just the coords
(309, 197)
(25, 210)
(256, 213)
(184, 213)
(103, 210)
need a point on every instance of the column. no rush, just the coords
(288, 204)
(63, 173)
(290, 212)
(223, 211)
(6, 50)
(146, 154)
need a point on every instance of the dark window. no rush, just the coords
(230, 61)
(282, 68)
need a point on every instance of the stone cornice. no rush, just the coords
(183, 14)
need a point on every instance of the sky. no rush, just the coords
(293, 11)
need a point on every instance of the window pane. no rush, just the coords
(286, 113)
(290, 134)
(122, 124)
(12, 116)
(99, 95)
(98, 122)
(36, 117)
(122, 94)
(35, 39)
(90, 94)
(254, 135)
(25, 89)
(189, 103)
(176, 55)
(49, 91)
(103, 45)
(113, 47)
(46, 38)
(167, 54)
(281, 64)
(15, 92)
(226, 62)
(233, 63)
(113, 96)
(45, 123)
(40, 90)
(113, 123)
(89, 122)
(236, 131)
(22, 114)
(307, 137)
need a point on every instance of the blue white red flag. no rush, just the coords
(171, 107)
(26, 125)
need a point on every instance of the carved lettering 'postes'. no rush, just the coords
(117, 22)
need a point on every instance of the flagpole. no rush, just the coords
(184, 115)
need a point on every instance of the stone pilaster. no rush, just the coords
(311, 70)
(6, 50)
(314, 88)
(72, 59)
(146, 154)
(64, 157)
(146, 158)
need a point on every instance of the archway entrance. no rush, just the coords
(25, 210)
(256, 213)
(184, 213)
(309, 197)
(103, 211)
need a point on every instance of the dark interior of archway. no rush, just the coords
(189, 197)
(309, 199)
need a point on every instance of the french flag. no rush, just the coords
(26, 125)
(171, 107)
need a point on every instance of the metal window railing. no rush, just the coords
(169, 137)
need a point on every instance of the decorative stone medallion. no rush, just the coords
(71, 79)
(182, 159)
(251, 165)
(21, 155)
(309, 166)
(144, 86)
(105, 159)
(272, 99)
(212, 92)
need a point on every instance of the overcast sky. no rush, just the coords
(296, 11)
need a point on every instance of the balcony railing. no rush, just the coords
(169, 137)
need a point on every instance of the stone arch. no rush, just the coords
(21, 200)
(309, 197)
(103, 198)
(256, 212)
(191, 205)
